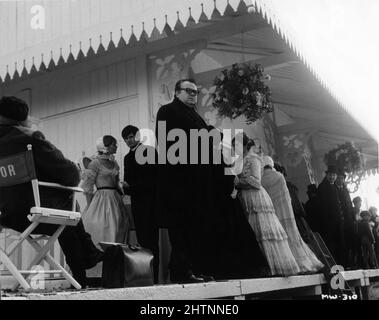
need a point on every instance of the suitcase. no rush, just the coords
(126, 265)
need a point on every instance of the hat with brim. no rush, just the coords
(332, 169)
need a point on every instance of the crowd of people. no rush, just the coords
(350, 233)
(220, 226)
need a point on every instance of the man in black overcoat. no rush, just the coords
(331, 215)
(140, 178)
(192, 201)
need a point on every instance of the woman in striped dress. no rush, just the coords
(261, 215)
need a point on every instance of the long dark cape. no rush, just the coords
(198, 198)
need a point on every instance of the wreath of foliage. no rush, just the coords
(346, 157)
(242, 90)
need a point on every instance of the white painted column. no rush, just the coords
(143, 96)
(143, 90)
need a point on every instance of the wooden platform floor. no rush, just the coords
(364, 281)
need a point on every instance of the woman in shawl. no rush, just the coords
(276, 187)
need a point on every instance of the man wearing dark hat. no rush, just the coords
(331, 216)
(141, 185)
(51, 166)
(348, 217)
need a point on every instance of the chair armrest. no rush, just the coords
(55, 212)
(59, 186)
(54, 216)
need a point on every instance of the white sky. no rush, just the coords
(368, 191)
(340, 39)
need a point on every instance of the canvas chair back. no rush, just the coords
(18, 169)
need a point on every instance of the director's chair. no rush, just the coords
(18, 169)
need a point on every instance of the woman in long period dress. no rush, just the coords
(261, 214)
(275, 185)
(106, 217)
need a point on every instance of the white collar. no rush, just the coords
(138, 144)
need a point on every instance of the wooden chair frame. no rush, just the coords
(38, 215)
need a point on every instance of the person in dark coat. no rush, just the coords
(374, 220)
(141, 186)
(357, 204)
(234, 252)
(348, 218)
(332, 228)
(51, 166)
(367, 241)
(311, 208)
(190, 197)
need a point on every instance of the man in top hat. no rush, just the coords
(331, 215)
(51, 166)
